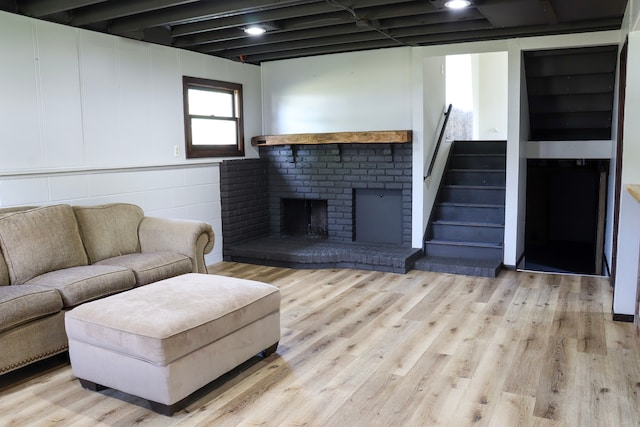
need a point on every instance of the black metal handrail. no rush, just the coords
(437, 148)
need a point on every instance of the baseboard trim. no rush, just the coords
(606, 267)
(520, 262)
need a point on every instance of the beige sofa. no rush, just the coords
(57, 257)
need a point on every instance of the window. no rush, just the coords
(212, 118)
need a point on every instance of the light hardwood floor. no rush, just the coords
(364, 348)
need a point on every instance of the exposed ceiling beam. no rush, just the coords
(111, 10)
(303, 44)
(386, 16)
(364, 7)
(501, 33)
(221, 36)
(38, 8)
(464, 27)
(432, 19)
(197, 11)
(345, 29)
(325, 39)
(426, 39)
(321, 50)
(549, 12)
(327, 21)
(254, 18)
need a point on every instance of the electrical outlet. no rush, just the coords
(176, 150)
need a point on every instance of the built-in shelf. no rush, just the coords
(369, 137)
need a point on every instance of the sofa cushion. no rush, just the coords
(81, 284)
(151, 267)
(25, 303)
(109, 230)
(40, 240)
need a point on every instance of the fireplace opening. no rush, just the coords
(304, 217)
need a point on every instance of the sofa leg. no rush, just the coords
(90, 385)
(269, 351)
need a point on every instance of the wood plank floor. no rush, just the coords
(362, 348)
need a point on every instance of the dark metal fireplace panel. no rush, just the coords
(378, 216)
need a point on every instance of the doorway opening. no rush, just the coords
(476, 86)
(564, 230)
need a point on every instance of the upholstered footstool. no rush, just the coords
(166, 340)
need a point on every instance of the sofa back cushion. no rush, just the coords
(40, 240)
(4, 272)
(109, 230)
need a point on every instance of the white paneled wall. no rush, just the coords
(168, 192)
(19, 133)
(89, 118)
(59, 90)
(356, 91)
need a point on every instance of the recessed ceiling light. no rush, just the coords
(255, 30)
(457, 4)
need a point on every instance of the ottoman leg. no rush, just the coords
(269, 351)
(160, 408)
(167, 410)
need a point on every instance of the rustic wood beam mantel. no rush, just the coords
(369, 137)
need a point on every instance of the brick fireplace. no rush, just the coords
(339, 180)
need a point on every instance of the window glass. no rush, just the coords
(210, 103)
(213, 118)
(213, 132)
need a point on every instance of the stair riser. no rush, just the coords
(477, 162)
(470, 214)
(461, 233)
(457, 269)
(475, 178)
(473, 195)
(473, 252)
(480, 147)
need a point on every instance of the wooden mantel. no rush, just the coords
(369, 137)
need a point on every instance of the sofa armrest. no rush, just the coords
(191, 238)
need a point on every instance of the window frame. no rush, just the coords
(213, 150)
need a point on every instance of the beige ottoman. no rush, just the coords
(164, 341)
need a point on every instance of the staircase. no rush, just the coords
(571, 93)
(466, 231)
